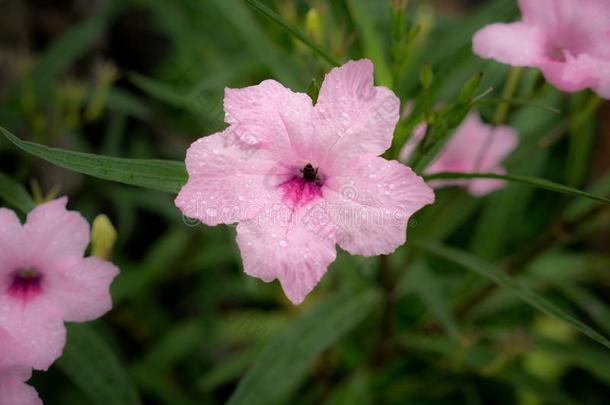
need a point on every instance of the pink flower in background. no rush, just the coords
(45, 280)
(474, 147)
(568, 40)
(300, 178)
(13, 375)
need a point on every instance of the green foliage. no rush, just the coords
(527, 323)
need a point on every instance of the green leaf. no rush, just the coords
(286, 359)
(425, 284)
(532, 181)
(371, 42)
(14, 194)
(259, 42)
(94, 369)
(163, 175)
(487, 270)
(297, 33)
(71, 45)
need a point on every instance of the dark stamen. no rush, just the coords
(309, 173)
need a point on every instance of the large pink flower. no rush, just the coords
(44, 280)
(300, 178)
(13, 374)
(13, 389)
(474, 147)
(569, 40)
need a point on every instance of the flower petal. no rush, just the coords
(37, 330)
(271, 116)
(54, 232)
(517, 44)
(228, 182)
(572, 74)
(83, 290)
(10, 238)
(291, 246)
(14, 391)
(371, 203)
(352, 117)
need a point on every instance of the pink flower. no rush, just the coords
(13, 374)
(14, 391)
(300, 179)
(474, 147)
(44, 280)
(569, 40)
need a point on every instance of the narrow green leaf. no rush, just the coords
(259, 42)
(425, 284)
(94, 369)
(14, 194)
(71, 45)
(297, 33)
(163, 175)
(589, 303)
(286, 359)
(487, 270)
(372, 43)
(532, 181)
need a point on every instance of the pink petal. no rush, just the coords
(37, 330)
(516, 44)
(482, 187)
(371, 202)
(272, 116)
(475, 147)
(228, 182)
(352, 117)
(291, 246)
(540, 12)
(13, 390)
(10, 238)
(54, 232)
(83, 290)
(573, 74)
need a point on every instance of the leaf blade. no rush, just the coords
(487, 270)
(282, 363)
(161, 175)
(92, 366)
(532, 181)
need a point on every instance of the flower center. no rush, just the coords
(25, 284)
(310, 173)
(300, 190)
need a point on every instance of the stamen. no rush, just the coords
(26, 284)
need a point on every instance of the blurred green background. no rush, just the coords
(145, 78)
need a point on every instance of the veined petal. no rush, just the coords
(294, 246)
(353, 117)
(271, 116)
(371, 203)
(228, 181)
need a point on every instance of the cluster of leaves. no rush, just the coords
(488, 301)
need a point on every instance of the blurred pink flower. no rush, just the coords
(568, 40)
(300, 178)
(13, 389)
(13, 375)
(474, 147)
(44, 280)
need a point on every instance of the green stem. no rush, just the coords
(510, 87)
